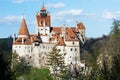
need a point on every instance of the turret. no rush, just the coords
(43, 24)
(81, 28)
(23, 31)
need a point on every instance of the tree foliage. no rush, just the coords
(56, 63)
(108, 56)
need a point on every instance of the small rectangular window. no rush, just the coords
(71, 49)
(75, 49)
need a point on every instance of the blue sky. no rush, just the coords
(97, 15)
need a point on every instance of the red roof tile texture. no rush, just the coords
(70, 35)
(57, 29)
(61, 41)
(80, 26)
(27, 41)
(43, 8)
(23, 29)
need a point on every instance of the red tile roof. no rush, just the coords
(57, 29)
(70, 35)
(35, 38)
(53, 38)
(43, 8)
(27, 41)
(80, 26)
(61, 41)
(23, 29)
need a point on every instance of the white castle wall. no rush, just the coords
(22, 50)
(72, 52)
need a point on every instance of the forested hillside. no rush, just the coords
(6, 44)
(103, 55)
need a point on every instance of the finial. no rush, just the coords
(76, 21)
(43, 7)
(22, 16)
(64, 25)
(43, 3)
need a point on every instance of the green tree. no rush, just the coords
(110, 52)
(18, 67)
(108, 55)
(115, 37)
(5, 66)
(116, 67)
(56, 62)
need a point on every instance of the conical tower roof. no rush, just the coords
(23, 29)
(43, 8)
(80, 26)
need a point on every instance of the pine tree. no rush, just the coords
(55, 61)
(115, 37)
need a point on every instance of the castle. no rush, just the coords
(34, 48)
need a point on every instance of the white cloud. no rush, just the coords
(68, 20)
(31, 23)
(70, 16)
(110, 15)
(10, 19)
(55, 5)
(70, 12)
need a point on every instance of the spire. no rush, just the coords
(23, 29)
(43, 8)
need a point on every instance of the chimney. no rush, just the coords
(22, 40)
(14, 37)
(76, 24)
(64, 32)
(31, 39)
